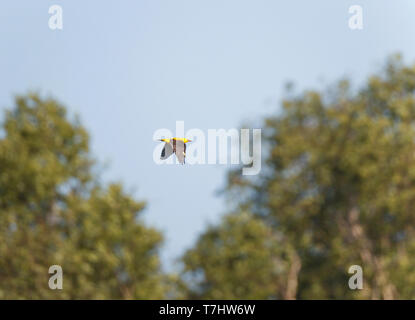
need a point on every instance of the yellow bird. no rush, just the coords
(174, 145)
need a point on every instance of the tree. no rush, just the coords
(338, 187)
(53, 211)
(239, 259)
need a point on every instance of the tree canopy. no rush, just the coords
(53, 211)
(240, 259)
(337, 189)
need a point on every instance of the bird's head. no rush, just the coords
(176, 139)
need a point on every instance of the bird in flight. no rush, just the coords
(174, 145)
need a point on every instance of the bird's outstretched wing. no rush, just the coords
(180, 149)
(167, 151)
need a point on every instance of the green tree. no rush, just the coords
(53, 211)
(338, 187)
(239, 259)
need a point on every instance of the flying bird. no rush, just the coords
(174, 145)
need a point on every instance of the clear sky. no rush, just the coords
(129, 68)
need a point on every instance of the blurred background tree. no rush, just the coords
(53, 211)
(239, 259)
(337, 189)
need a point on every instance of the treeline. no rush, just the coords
(337, 189)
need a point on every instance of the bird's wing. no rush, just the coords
(167, 151)
(180, 149)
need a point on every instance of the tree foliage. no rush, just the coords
(337, 189)
(53, 211)
(240, 259)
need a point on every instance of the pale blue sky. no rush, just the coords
(129, 68)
